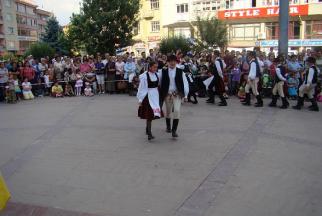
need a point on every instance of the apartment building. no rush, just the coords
(21, 24)
(250, 22)
(255, 23)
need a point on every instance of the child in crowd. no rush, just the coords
(78, 85)
(39, 88)
(26, 90)
(243, 82)
(57, 90)
(88, 90)
(293, 84)
(10, 90)
(69, 90)
(235, 72)
(18, 89)
(47, 82)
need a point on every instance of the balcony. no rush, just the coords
(148, 14)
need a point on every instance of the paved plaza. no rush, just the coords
(90, 156)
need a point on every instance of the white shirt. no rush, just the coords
(217, 63)
(279, 74)
(143, 87)
(252, 71)
(105, 61)
(119, 66)
(172, 84)
(310, 77)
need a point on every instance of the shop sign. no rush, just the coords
(154, 38)
(265, 12)
(291, 43)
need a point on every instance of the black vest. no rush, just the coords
(165, 82)
(258, 70)
(283, 72)
(152, 84)
(216, 73)
(315, 75)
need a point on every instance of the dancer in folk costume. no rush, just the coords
(149, 99)
(253, 81)
(174, 87)
(280, 79)
(217, 80)
(308, 86)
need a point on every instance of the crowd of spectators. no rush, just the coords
(105, 74)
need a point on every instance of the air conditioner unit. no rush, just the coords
(261, 36)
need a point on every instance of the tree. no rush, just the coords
(104, 25)
(172, 44)
(212, 33)
(40, 50)
(54, 36)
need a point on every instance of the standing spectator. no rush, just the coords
(119, 67)
(129, 69)
(14, 70)
(28, 72)
(294, 67)
(59, 68)
(90, 77)
(26, 89)
(47, 80)
(10, 88)
(4, 75)
(110, 75)
(235, 72)
(100, 75)
(42, 66)
(85, 66)
(106, 60)
(37, 71)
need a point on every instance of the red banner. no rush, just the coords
(295, 10)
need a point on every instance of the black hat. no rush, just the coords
(311, 60)
(172, 58)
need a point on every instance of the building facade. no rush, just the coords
(250, 22)
(21, 24)
(256, 23)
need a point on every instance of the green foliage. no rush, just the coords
(40, 50)
(212, 33)
(103, 25)
(172, 44)
(54, 36)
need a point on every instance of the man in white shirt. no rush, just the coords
(280, 79)
(174, 87)
(253, 79)
(308, 86)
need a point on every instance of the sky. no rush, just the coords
(62, 9)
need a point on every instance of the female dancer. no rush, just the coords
(148, 95)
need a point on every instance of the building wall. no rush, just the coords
(20, 25)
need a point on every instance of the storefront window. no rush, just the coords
(313, 29)
(272, 31)
(244, 32)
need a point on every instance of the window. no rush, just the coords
(11, 30)
(7, 3)
(276, 2)
(201, 5)
(30, 10)
(182, 8)
(239, 4)
(183, 32)
(244, 32)
(21, 8)
(8, 17)
(21, 20)
(136, 29)
(10, 45)
(155, 26)
(313, 29)
(154, 4)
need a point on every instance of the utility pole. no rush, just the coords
(283, 25)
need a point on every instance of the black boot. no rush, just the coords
(175, 127)
(300, 103)
(168, 121)
(223, 101)
(211, 95)
(149, 126)
(274, 101)
(247, 100)
(259, 101)
(285, 103)
(314, 106)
